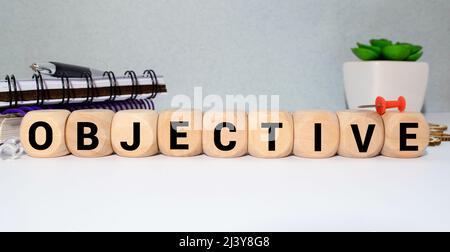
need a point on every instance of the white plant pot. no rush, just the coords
(364, 81)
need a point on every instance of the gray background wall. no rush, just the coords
(294, 48)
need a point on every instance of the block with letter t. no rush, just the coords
(270, 134)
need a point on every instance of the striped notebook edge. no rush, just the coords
(114, 106)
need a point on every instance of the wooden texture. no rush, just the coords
(233, 137)
(186, 133)
(180, 133)
(356, 127)
(406, 135)
(260, 142)
(308, 124)
(101, 119)
(56, 121)
(123, 133)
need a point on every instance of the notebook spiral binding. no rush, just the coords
(40, 96)
(90, 87)
(67, 92)
(134, 84)
(65, 86)
(112, 85)
(114, 106)
(152, 75)
(12, 79)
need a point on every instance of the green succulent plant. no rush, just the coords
(384, 49)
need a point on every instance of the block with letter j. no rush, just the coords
(134, 133)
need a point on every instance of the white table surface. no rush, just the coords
(246, 194)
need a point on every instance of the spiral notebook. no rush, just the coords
(10, 119)
(42, 91)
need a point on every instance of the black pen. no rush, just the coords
(58, 70)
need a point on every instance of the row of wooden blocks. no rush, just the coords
(265, 134)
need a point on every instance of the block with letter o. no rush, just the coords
(42, 133)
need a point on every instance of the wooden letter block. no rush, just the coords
(180, 133)
(270, 134)
(406, 135)
(134, 133)
(42, 133)
(88, 133)
(316, 134)
(362, 134)
(225, 134)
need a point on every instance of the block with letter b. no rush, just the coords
(406, 135)
(134, 133)
(180, 133)
(88, 133)
(42, 133)
(361, 133)
(316, 134)
(270, 134)
(225, 134)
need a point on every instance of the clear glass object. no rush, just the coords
(11, 149)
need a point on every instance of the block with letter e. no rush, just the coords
(180, 133)
(42, 133)
(270, 134)
(406, 135)
(88, 133)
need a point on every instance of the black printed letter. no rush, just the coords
(217, 136)
(91, 135)
(48, 135)
(404, 136)
(318, 137)
(174, 135)
(272, 127)
(136, 138)
(363, 147)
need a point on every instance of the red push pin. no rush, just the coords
(381, 105)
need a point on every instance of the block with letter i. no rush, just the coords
(225, 134)
(134, 133)
(42, 133)
(316, 134)
(361, 133)
(270, 134)
(88, 133)
(406, 135)
(180, 133)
